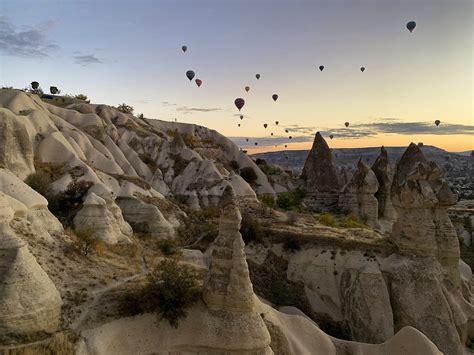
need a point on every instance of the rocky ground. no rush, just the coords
(93, 200)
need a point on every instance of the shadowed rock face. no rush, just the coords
(29, 302)
(320, 174)
(358, 195)
(380, 168)
(421, 198)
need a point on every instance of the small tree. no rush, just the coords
(234, 165)
(35, 85)
(171, 289)
(248, 174)
(125, 108)
(54, 90)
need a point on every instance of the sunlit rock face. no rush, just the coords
(30, 304)
(421, 198)
(358, 194)
(321, 176)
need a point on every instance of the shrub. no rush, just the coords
(39, 182)
(81, 97)
(248, 174)
(278, 292)
(234, 165)
(88, 242)
(189, 140)
(125, 108)
(291, 200)
(171, 289)
(168, 247)
(269, 169)
(350, 221)
(291, 244)
(268, 200)
(251, 230)
(328, 220)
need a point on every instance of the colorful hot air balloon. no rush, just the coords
(275, 97)
(331, 136)
(198, 82)
(411, 26)
(276, 122)
(437, 122)
(265, 125)
(362, 69)
(346, 124)
(190, 74)
(184, 48)
(239, 103)
(241, 117)
(321, 67)
(247, 88)
(257, 76)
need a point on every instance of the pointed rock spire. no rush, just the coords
(228, 286)
(320, 174)
(382, 171)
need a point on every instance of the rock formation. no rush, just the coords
(29, 302)
(358, 194)
(421, 198)
(381, 168)
(321, 177)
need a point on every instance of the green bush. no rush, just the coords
(168, 247)
(291, 200)
(171, 289)
(350, 221)
(328, 220)
(125, 108)
(269, 169)
(248, 174)
(268, 200)
(39, 182)
(251, 230)
(278, 293)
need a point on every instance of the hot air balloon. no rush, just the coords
(256, 143)
(286, 146)
(411, 26)
(290, 137)
(257, 76)
(271, 134)
(331, 136)
(238, 124)
(346, 124)
(239, 103)
(198, 82)
(190, 74)
(321, 67)
(276, 122)
(247, 88)
(184, 49)
(246, 139)
(437, 122)
(286, 131)
(275, 97)
(241, 117)
(265, 125)
(362, 69)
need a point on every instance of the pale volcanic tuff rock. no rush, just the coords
(358, 195)
(321, 176)
(421, 198)
(384, 174)
(30, 304)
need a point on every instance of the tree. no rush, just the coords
(54, 90)
(34, 85)
(248, 174)
(125, 108)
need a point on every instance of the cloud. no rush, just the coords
(166, 103)
(188, 110)
(300, 129)
(86, 59)
(29, 42)
(267, 141)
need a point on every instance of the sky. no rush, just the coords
(130, 51)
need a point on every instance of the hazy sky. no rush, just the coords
(130, 51)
